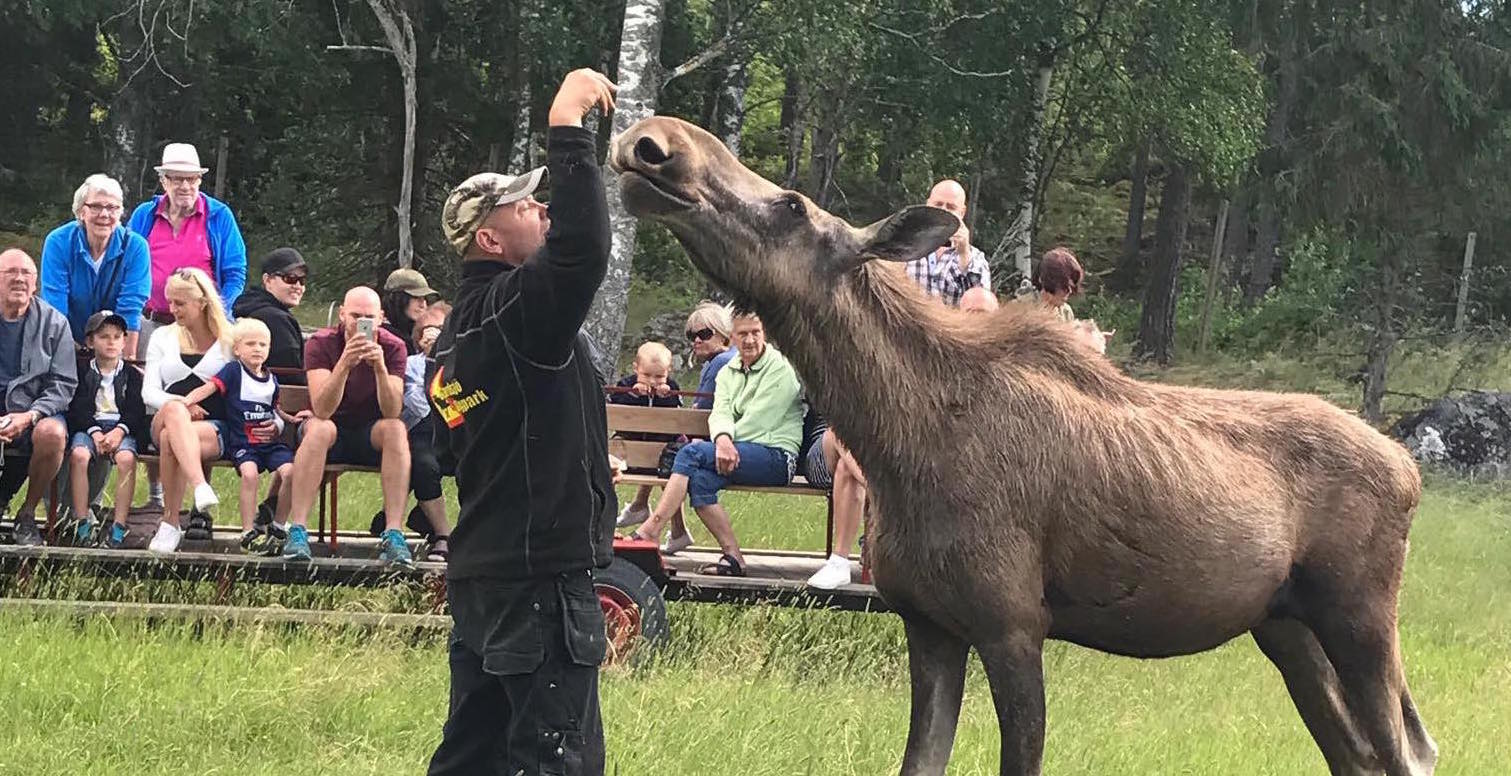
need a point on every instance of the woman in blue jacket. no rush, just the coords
(92, 263)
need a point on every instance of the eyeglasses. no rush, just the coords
(293, 280)
(102, 207)
(183, 180)
(18, 272)
(700, 334)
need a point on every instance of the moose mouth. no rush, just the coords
(644, 195)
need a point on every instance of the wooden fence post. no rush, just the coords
(1463, 308)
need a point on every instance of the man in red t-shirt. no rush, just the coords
(356, 388)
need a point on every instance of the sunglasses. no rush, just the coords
(700, 334)
(294, 280)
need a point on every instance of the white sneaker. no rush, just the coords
(204, 497)
(632, 515)
(165, 541)
(676, 544)
(834, 572)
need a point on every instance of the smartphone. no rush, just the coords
(365, 327)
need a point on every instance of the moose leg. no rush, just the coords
(1364, 650)
(1015, 669)
(936, 663)
(1314, 688)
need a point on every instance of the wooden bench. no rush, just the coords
(294, 399)
(642, 457)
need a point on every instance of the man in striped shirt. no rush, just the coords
(950, 270)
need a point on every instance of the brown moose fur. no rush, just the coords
(1024, 488)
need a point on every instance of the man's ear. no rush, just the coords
(907, 234)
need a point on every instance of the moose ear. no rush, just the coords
(908, 234)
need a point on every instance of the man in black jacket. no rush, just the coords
(284, 279)
(520, 404)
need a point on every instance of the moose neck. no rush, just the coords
(872, 365)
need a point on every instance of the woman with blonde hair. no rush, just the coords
(181, 357)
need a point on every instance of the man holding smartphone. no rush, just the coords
(356, 380)
(519, 403)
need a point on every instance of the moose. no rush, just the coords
(1028, 489)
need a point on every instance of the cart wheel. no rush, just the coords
(634, 612)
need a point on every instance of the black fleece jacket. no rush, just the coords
(128, 398)
(518, 400)
(286, 349)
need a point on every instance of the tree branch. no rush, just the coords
(913, 38)
(702, 58)
(384, 49)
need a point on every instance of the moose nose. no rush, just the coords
(650, 153)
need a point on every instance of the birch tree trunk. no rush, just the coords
(1130, 259)
(730, 118)
(792, 126)
(522, 150)
(401, 43)
(639, 79)
(1019, 237)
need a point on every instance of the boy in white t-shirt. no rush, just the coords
(250, 394)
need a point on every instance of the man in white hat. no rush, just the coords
(185, 227)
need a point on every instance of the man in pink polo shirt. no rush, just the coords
(185, 227)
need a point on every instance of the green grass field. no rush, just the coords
(751, 691)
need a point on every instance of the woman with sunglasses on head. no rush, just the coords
(285, 277)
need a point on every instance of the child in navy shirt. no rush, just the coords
(250, 393)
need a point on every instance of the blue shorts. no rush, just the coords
(82, 439)
(759, 465)
(268, 457)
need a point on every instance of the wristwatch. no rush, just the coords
(36, 417)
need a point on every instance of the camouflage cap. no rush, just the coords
(476, 197)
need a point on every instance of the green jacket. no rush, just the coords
(761, 404)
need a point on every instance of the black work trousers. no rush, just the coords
(524, 678)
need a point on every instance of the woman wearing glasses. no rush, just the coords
(94, 263)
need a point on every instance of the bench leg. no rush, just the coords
(52, 512)
(335, 510)
(829, 530)
(320, 530)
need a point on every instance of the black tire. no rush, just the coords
(618, 586)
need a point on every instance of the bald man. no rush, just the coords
(978, 300)
(38, 376)
(356, 381)
(949, 270)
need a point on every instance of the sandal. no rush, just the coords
(727, 566)
(440, 551)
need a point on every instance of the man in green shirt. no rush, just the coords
(756, 426)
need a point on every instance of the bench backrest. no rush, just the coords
(293, 399)
(671, 421)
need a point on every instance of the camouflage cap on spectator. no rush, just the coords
(476, 197)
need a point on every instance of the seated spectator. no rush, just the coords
(94, 263)
(649, 385)
(38, 374)
(1057, 278)
(182, 356)
(249, 394)
(829, 465)
(104, 418)
(978, 299)
(356, 377)
(428, 518)
(708, 331)
(406, 294)
(285, 277)
(756, 427)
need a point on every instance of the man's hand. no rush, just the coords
(580, 92)
(373, 356)
(726, 456)
(961, 242)
(18, 423)
(354, 353)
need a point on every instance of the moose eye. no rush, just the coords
(794, 206)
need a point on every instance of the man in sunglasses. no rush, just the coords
(284, 278)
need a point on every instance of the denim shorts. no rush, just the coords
(82, 439)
